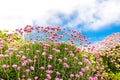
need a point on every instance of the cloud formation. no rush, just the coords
(88, 14)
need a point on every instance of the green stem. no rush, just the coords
(6, 74)
(10, 60)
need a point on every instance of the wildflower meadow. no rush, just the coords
(55, 53)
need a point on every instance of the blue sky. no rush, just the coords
(94, 18)
(101, 34)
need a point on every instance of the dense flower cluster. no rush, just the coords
(111, 58)
(1, 44)
(45, 57)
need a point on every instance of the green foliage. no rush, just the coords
(10, 36)
(112, 76)
(111, 60)
(9, 39)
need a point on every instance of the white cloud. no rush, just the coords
(11, 23)
(94, 14)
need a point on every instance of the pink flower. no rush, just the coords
(49, 71)
(20, 52)
(74, 31)
(18, 68)
(46, 79)
(58, 43)
(29, 79)
(61, 36)
(102, 68)
(86, 68)
(72, 41)
(82, 69)
(87, 61)
(42, 68)
(10, 49)
(65, 59)
(24, 64)
(66, 65)
(59, 60)
(66, 49)
(4, 66)
(37, 51)
(38, 29)
(2, 79)
(57, 79)
(23, 58)
(14, 66)
(77, 50)
(81, 73)
(90, 78)
(29, 60)
(77, 75)
(58, 51)
(71, 54)
(97, 75)
(71, 75)
(55, 34)
(49, 66)
(35, 57)
(95, 78)
(48, 76)
(28, 29)
(7, 66)
(31, 68)
(36, 77)
(50, 57)
(85, 56)
(57, 73)
(1, 56)
(44, 53)
(23, 76)
(75, 58)
(45, 30)
(80, 63)
(27, 70)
